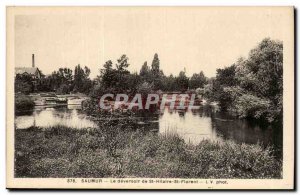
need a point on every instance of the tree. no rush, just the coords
(112, 79)
(122, 72)
(78, 78)
(225, 78)
(253, 87)
(197, 81)
(58, 78)
(155, 64)
(122, 64)
(145, 73)
(144, 70)
(82, 82)
(261, 77)
(132, 81)
(170, 83)
(45, 84)
(182, 81)
(108, 76)
(108, 65)
(263, 70)
(23, 83)
(157, 74)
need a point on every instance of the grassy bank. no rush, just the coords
(119, 152)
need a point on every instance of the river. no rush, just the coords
(192, 125)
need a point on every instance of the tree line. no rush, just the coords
(62, 81)
(251, 87)
(115, 78)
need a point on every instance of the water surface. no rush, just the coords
(192, 125)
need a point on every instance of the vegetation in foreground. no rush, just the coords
(120, 152)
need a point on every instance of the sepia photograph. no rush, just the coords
(150, 97)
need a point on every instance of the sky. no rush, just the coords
(195, 39)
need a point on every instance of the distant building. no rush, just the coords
(33, 71)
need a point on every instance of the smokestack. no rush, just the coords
(33, 61)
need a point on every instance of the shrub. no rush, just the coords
(23, 102)
(63, 89)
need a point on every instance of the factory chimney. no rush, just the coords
(33, 61)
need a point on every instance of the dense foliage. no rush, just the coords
(24, 84)
(117, 151)
(62, 81)
(252, 87)
(23, 102)
(112, 77)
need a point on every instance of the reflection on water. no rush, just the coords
(70, 116)
(206, 123)
(192, 125)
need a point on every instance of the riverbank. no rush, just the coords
(25, 103)
(117, 151)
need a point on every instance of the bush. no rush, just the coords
(23, 102)
(63, 89)
(249, 105)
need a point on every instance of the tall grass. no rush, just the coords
(112, 151)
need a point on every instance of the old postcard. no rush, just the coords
(150, 97)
